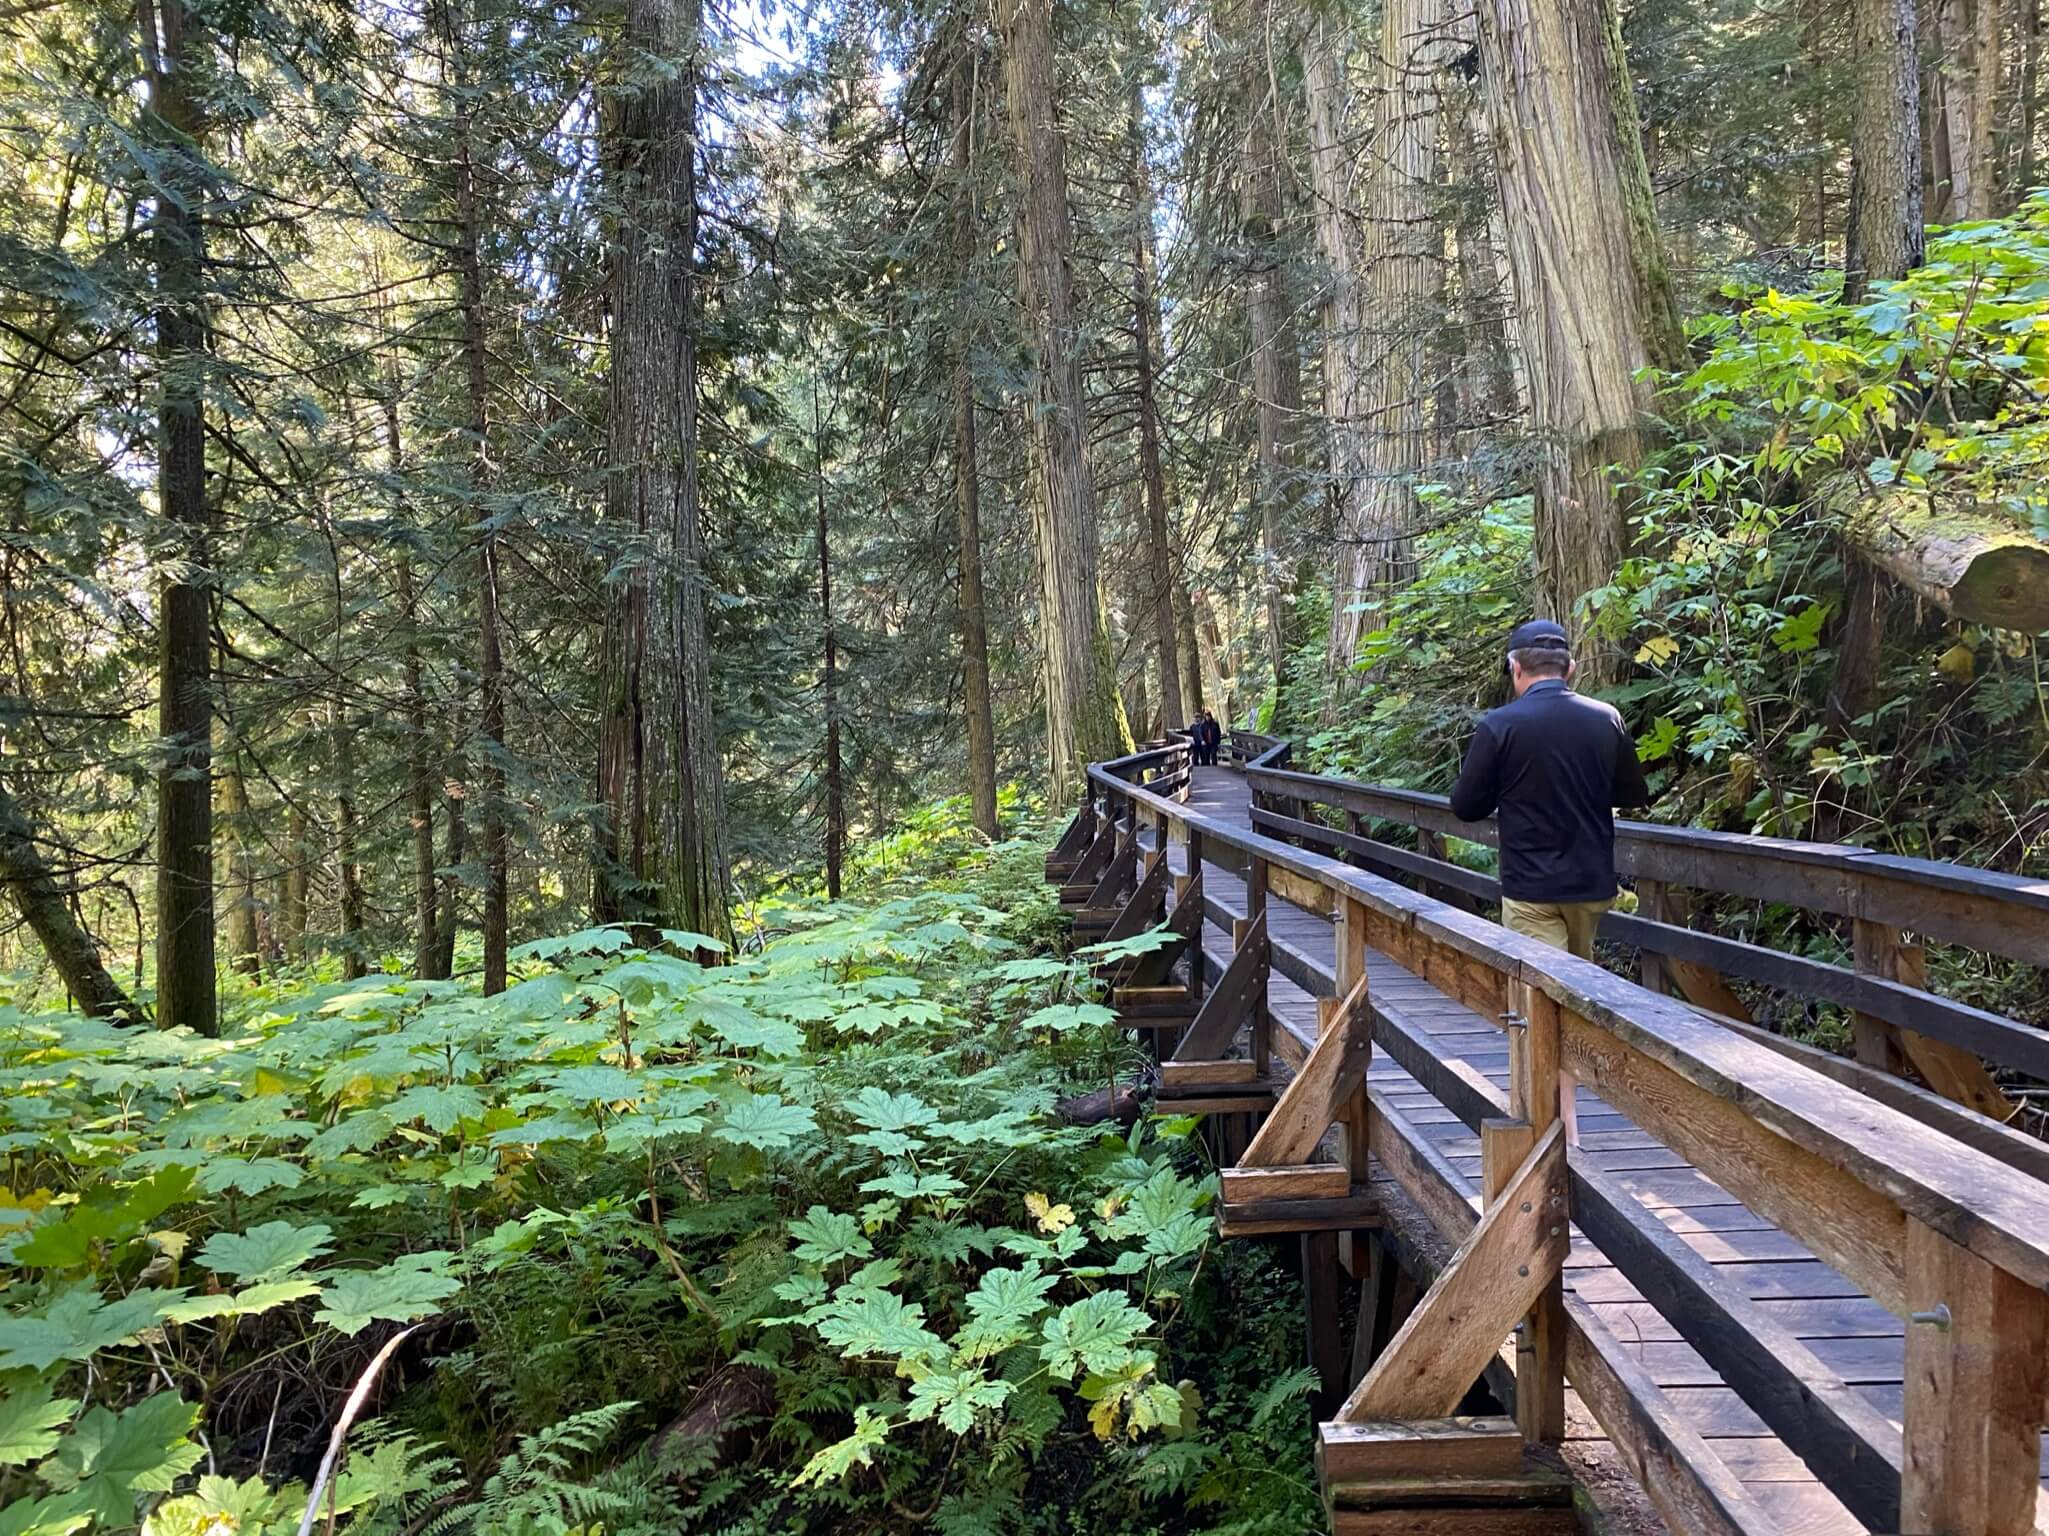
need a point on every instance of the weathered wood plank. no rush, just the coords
(1448, 1447)
(1469, 1309)
(1322, 1089)
(1232, 1001)
(1305, 1181)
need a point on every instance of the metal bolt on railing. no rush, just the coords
(1938, 1318)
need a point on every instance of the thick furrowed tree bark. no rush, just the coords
(1965, 119)
(1885, 236)
(661, 776)
(1084, 717)
(45, 906)
(1389, 370)
(185, 921)
(967, 470)
(1594, 305)
(1145, 323)
(1190, 650)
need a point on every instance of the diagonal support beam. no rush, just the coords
(1121, 867)
(1143, 910)
(1321, 1091)
(1239, 992)
(1185, 923)
(1494, 1278)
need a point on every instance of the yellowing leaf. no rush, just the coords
(1103, 1417)
(1051, 1217)
(1110, 1205)
(1657, 650)
(1959, 663)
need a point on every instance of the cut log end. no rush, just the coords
(1969, 559)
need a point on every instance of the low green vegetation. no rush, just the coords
(810, 1203)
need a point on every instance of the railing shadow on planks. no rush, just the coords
(1936, 1209)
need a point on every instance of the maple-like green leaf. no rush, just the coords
(267, 1252)
(108, 1460)
(956, 1396)
(884, 1111)
(597, 1083)
(246, 1302)
(764, 1120)
(29, 1417)
(221, 1506)
(1062, 1017)
(250, 1175)
(858, 1449)
(872, 1018)
(109, 1213)
(878, 1323)
(827, 1237)
(746, 1030)
(441, 1106)
(73, 1327)
(409, 1288)
(59, 1514)
(1003, 1310)
(913, 1184)
(544, 1129)
(1093, 1335)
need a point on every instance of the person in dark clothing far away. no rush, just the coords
(1552, 766)
(1206, 738)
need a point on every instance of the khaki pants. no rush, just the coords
(1566, 925)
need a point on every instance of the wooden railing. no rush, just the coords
(1896, 1021)
(1944, 1232)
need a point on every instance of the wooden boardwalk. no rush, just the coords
(1853, 1336)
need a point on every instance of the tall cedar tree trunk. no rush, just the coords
(1145, 325)
(1190, 647)
(172, 47)
(420, 742)
(1884, 243)
(835, 783)
(245, 947)
(1594, 300)
(1084, 716)
(1390, 367)
(298, 882)
(349, 874)
(2031, 65)
(661, 779)
(1964, 123)
(1276, 366)
(967, 473)
(1885, 237)
(1491, 398)
(45, 906)
(490, 651)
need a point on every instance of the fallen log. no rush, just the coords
(1968, 558)
(707, 1432)
(1119, 1103)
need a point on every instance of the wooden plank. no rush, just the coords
(1109, 890)
(1322, 1089)
(1306, 1181)
(1448, 1447)
(1491, 1282)
(1454, 1521)
(1977, 1370)
(1145, 908)
(1854, 1227)
(1203, 1074)
(1251, 1099)
(1670, 1461)
(1234, 998)
(1423, 1492)
(1354, 1213)
(1690, 1486)
(1853, 1449)
(1298, 890)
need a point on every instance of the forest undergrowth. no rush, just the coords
(788, 1243)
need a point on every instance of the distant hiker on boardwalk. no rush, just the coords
(1206, 738)
(1554, 765)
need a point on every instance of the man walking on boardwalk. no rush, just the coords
(1555, 766)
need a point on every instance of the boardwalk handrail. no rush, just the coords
(1880, 893)
(1928, 1226)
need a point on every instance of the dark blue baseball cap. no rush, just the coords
(1539, 635)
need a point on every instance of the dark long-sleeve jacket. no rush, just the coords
(1553, 766)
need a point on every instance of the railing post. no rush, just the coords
(1262, 1026)
(1533, 1089)
(1650, 904)
(1198, 983)
(1977, 1370)
(1354, 1128)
